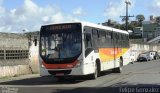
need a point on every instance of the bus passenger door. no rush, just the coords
(114, 48)
(88, 44)
(88, 62)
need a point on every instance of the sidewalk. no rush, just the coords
(6, 79)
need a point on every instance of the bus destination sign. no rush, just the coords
(60, 27)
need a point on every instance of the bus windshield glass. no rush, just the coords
(59, 42)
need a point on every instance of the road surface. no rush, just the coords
(140, 77)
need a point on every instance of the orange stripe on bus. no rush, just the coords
(108, 54)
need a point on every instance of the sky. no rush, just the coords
(17, 16)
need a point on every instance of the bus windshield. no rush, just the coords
(61, 43)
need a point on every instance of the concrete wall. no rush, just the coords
(13, 47)
(12, 60)
(137, 48)
(155, 47)
(14, 70)
(13, 41)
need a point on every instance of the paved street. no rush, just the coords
(135, 78)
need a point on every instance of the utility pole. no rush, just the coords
(127, 17)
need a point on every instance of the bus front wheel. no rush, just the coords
(96, 74)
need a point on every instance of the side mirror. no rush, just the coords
(35, 42)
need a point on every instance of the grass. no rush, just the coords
(35, 73)
(5, 77)
(8, 77)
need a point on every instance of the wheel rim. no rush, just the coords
(120, 69)
(121, 63)
(95, 74)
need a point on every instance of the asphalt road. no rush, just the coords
(142, 77)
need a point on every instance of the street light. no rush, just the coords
(128, 1)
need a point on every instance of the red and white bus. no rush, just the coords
(81, 48)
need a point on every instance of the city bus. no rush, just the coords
(82, 49)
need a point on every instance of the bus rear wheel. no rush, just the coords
(119, 69)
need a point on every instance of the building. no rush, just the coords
(157, 31)
(149, 30)
(137, 32)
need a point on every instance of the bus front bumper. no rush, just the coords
(76, 71)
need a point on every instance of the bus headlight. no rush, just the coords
(42, 66)
(79, 63)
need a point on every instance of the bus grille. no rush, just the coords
(54, 72)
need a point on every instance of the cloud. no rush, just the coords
(156, 3)
(45, 19)
(30, 16)
(155, 7)
(58, 17)
(115, 9)
(2, 10)
(78, 12)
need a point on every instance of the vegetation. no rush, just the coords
(5, 77)
(140, 18)
(137, 23)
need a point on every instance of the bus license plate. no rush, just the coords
(59, 74)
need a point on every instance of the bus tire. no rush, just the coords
(121, 61)
(119, 69)
(132, 61)
(96, 74)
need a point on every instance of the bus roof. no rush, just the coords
(95, 26)
(103, 27)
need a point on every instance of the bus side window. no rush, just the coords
(95, 38)
(102, 38)
(111, 35)
(88, 41)
(98, 33)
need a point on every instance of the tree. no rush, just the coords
(118, 26)
(122, 26)
(140, 18)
